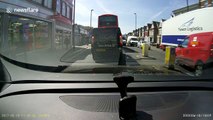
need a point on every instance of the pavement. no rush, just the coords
(155, 56)
(48, 56)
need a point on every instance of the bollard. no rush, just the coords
(170, 57)
(145, 49)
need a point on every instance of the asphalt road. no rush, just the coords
(82, 56)
(155, 56)
(133, 56)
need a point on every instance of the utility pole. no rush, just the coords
(187, 3)
(73, 27)
(135, 20)
(135, 23)
(91, 18)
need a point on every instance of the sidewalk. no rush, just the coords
(47, 57)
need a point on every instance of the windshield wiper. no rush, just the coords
(42, 68)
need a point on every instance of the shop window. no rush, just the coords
(38, 1)
(58, 6)
(71, 14)
(63, 9)
(59, 39)
(20, 34)
(48, 3)
(26, 34)
(68, 12)
(41, 34)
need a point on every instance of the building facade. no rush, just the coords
(205, 3)
(154, 31)
(159, 32)
(141, 31)
(35, 24)
(200, 4)
(186, 9)
(62, 17)
(148, 31)
(25, 28)
(82, 35)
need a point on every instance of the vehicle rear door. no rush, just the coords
(106, 37)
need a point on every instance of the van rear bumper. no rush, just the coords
(106, 54)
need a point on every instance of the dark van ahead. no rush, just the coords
(106, 44)
(107, 39)
(196, 51)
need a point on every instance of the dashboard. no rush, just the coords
(100, 101)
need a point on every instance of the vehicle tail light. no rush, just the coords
(121, 41)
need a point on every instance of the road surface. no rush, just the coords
(82, 56)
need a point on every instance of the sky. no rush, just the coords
(146, 10)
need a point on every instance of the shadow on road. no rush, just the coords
(81, 54)
(146, 58)
(130, 60)
(75, 54)
(128, 50)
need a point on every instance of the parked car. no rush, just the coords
(132, 41)
(196, 51)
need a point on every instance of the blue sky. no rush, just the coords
(147, 11)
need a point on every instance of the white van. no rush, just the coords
(132, 41)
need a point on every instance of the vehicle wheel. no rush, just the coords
(199, 69)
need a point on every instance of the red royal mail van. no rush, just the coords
(196, 51)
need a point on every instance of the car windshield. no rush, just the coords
(135, 39)
(64, 37)
(185, 42)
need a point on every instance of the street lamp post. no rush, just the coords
(90, 29)
(135, 20)
(73, 27)
(187, 3)
(91, 17)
